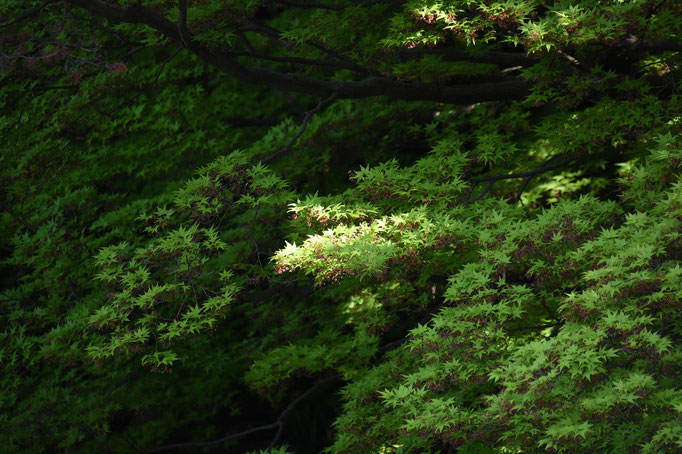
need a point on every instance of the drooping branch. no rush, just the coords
(151, 85)
(275, 34)
(505, 89)
(278, 423)
(552, 164)
(543, 168)
(274, 425)
(29, 13)
(308, 116)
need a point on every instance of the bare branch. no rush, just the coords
(277, 424)
(308, 115)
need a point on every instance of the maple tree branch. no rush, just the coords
(550, 312)
(329, 6)
(219, 440)
(506, 89)
(276, 34)
(482, 194)
(308, 116)
(278, 423)
(296, 60)
(312, 5)
(499, 58)
(546, 167)
(535, 327)
(185, 37)
(662, 46)
(29, 13)
(149, 86)
(543, 168)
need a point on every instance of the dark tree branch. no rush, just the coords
(506, 59)
(398, 342)
(550, 312)
(185, 37)
(390, 346)
(507, 89)
(522, 188)
(273, 32)
(55, 87)
(29, 13)
(482, 194)
(245, 40)
(276, 289)
(151, 85)
(238, 122)
(268, 32)
(543, 168)
(661, 46)
(308, 116)
(277, 424)
(219, 440)
(311, 5)
(536, 327)
(330, 6)
(548, 166)
(297, 60)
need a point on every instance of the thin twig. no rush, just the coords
(270, 31)
(550, 312)
(308, 116)
(482, 194)
(543, 168)
(522, 188)
(152, 85)
(220, 440)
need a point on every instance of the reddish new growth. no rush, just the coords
(117, 68)
(506, 20)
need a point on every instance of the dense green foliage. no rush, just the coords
(357, 227)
